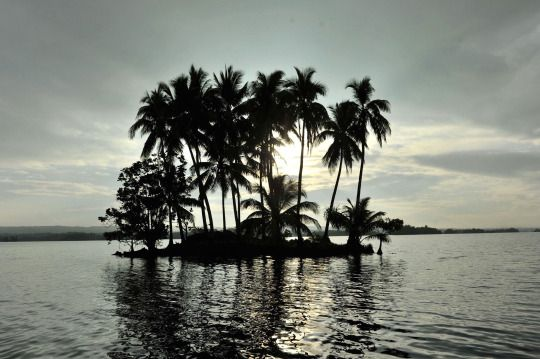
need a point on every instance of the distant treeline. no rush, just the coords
(68, 236)
(413, 230)
(407, 229)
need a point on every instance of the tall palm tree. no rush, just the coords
(267, 111)
(191, 102)
(369, 115)
(153, 119)
(309, 115)
(359, 221)
(343, 148)
(280, 212)
(228, 128)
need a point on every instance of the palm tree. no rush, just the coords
(369, 115)
(191, 100)
(267, 112)
(360, 222)
(280, 212)
(342, 131)
(153, 119)
(309, 115)
(229, 125)
(382, 237)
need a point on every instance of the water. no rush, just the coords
(445, 296)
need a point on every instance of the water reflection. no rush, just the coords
(292, 308)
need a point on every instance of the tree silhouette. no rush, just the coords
(141, 215)
(267, 109)
(191, 103)
(309, 115)
(280, 212)
(369, 115)
(343, 148)
(360, 222)
(229, 131)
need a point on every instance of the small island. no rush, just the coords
(232, 131)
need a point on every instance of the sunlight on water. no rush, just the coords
(450, 296)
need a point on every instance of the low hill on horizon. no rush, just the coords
(13, 230)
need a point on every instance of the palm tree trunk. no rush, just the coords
(263, 235)
(180, 225)
(235, 210)
(170, 227)
(209, 212)
(333, 198)
(238, 200)
(270, 169)
(298, 230)
(362, 161)
(208, 208)
(379, 252)
(201, 190)
(352, 234)
(223, 209)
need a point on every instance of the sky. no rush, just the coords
(463, 79)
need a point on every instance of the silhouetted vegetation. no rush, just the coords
(232, 130)
(478, 230)
(408, 229)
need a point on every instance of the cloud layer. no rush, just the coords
(463, 79)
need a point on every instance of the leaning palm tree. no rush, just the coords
(280, 213)
(152, 121)
(309, 115)
(360, 222)
(343, 148)
(369, 115)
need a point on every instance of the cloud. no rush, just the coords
(503, 164)
(59, 189)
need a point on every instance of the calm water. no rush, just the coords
(446, 296)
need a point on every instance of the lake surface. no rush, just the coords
(443, 296)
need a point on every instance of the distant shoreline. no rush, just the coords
(86, 236)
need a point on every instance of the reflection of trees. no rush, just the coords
(150, 320)
(245, 308)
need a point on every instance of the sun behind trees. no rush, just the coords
(230, 130)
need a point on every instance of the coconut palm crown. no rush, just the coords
(280, 211)
(360, 222)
